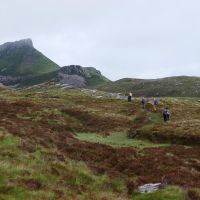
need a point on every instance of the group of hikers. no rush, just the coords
(165, 112)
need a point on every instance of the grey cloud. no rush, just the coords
(129, 38)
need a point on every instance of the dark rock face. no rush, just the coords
(79, 70)
(72, 75)
(73, 70)
(9, 80)
(73, 80)
(13, 81)
(16, 45)
(78, 76)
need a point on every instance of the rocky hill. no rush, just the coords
(78, 76)
(20, 61)
(22, 65)
(171, 86)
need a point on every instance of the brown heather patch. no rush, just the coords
(179, 132)
(172, 165)
(98, 124)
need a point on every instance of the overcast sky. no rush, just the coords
(122, 38)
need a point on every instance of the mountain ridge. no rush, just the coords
(16, 44)
(22, 65)
(168, 86)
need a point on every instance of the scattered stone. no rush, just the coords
(99, 97)
(148, 188)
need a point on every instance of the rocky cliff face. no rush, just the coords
(16, 45)
(73, 70)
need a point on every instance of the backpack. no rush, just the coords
(156, 102)
(166, 112)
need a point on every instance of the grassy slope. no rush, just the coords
(173, 86)
(39, 79)
(41, 123)
(96, 78)
(183, 127)
(41, 175)
(25, 61)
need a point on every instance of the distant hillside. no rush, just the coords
(172, 86)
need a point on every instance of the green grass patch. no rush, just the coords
(155, 117)
(117, 140)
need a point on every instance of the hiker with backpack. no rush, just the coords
(155, 104)
(130, 96)
(166, 114)
(143, 102)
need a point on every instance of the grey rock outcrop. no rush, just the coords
(12, 81)
(72, 75)
(73, 70)
(73, 80)
(17, 44)
(148, 188)
(77, 76)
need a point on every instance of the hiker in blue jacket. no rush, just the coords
(166, 114)
(155, 104)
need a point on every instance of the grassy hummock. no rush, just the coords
(117, 140)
